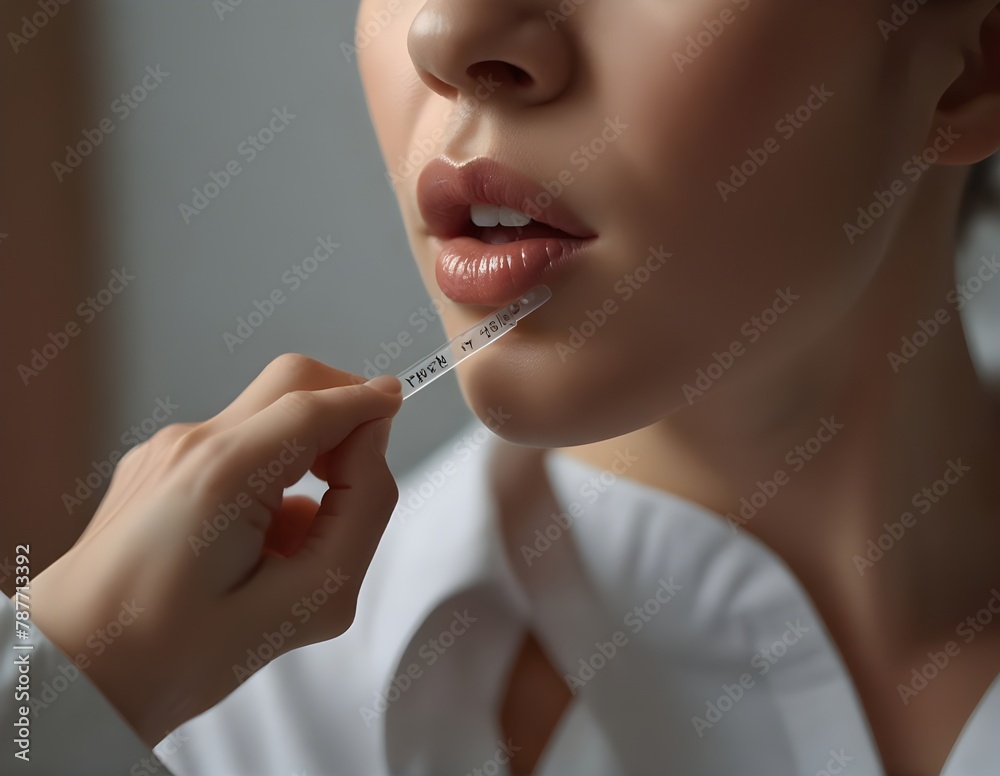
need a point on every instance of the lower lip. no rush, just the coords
(469, 271)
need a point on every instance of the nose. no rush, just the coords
(491, 49)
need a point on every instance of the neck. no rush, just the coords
(874, 480)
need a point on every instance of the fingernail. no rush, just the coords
(386, 384)
(380, 435)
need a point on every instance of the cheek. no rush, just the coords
(758, 269)
(774, 97)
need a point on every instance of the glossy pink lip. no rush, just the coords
(471, 271)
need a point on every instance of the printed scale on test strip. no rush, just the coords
(488, 330)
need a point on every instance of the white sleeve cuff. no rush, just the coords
(54, 720)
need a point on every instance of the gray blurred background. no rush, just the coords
(229, 65)
(321, 176)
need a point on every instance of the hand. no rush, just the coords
(195, 571)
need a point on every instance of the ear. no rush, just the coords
(968, 114)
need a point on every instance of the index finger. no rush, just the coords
(282, 441)
(284, 374)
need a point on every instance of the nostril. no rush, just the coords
(521, 78)
(504, 72)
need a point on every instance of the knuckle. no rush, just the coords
(338, 619)
(170, 436)
(299, 404)
(163, 443)
(292, 368)
(213, 449)
(132, 458)
(385, 488)
(392, 491)
(391, 496)
(181, 440)
(339, 608)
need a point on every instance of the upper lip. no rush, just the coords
(447, 189)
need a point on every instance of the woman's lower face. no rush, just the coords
(724, 155)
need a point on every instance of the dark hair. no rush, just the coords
(980, 193)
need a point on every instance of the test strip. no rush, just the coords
(488, 330)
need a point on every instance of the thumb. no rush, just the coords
(340, 541)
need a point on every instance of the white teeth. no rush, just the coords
(497, 215)
(510, 217)
(486, 215)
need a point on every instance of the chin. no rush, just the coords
(553, 414)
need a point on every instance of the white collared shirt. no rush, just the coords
(690, 648)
